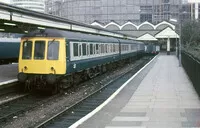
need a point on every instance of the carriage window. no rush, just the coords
(27, 50)
(75, 48)
(39, 50)
(94, 48)
(102, 48)
(79, 48)
(117, 48)
(84, 49)
(113, 47)
(88, 49)
(106, 48)
(53, 50)
(97, 48)
(91, 49)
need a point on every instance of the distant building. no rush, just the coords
(35, 5)
(54, 7)
(119, 11)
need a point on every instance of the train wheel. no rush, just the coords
(28, 86)
(90, 73)
(85, 75)
(104, 69)
(54, 89)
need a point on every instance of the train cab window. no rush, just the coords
(75, 48)
(53, 50)
(91, 49)
(27, 50)
(84, 49)
(39, 50)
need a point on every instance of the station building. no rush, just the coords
(120, 11)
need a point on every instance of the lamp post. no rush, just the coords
(179, 42)
(180, 32)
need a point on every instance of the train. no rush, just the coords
(9, 50)
(49, 57)
(152, 49)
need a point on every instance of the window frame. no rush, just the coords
(58, 50)
(31, 52)
(97, 46)
(44, 51)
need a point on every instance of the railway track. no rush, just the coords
(20, 105)
(10, 88)
(10, 92)
(75, 112)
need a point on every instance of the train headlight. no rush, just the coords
(25, 68)
(53, 70)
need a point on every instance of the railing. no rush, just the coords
(192, 66)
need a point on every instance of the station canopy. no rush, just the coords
(147, 37)
(167, 33)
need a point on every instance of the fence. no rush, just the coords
(192, 67)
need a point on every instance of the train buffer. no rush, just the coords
(8, 74)
(161, 95)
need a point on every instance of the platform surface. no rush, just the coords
(160, 96)
(8, 72)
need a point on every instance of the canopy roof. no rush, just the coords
(147, 37)
(167, 33)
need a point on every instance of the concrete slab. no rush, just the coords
(163, 97)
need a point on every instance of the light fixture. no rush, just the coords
(26, 31)
(40, 27)
(11, 24)
(2, 29)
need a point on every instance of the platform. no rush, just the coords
(8, 73)
(160, 96)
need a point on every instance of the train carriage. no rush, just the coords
(91, 51)
(130, 48)
(48, 55)
(9, 50)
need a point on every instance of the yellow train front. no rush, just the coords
(42, 60)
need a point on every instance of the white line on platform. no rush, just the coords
(8, 82)
(79, 122)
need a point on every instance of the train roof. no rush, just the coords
(69, 35)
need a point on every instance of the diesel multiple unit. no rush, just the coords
(49, 56)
